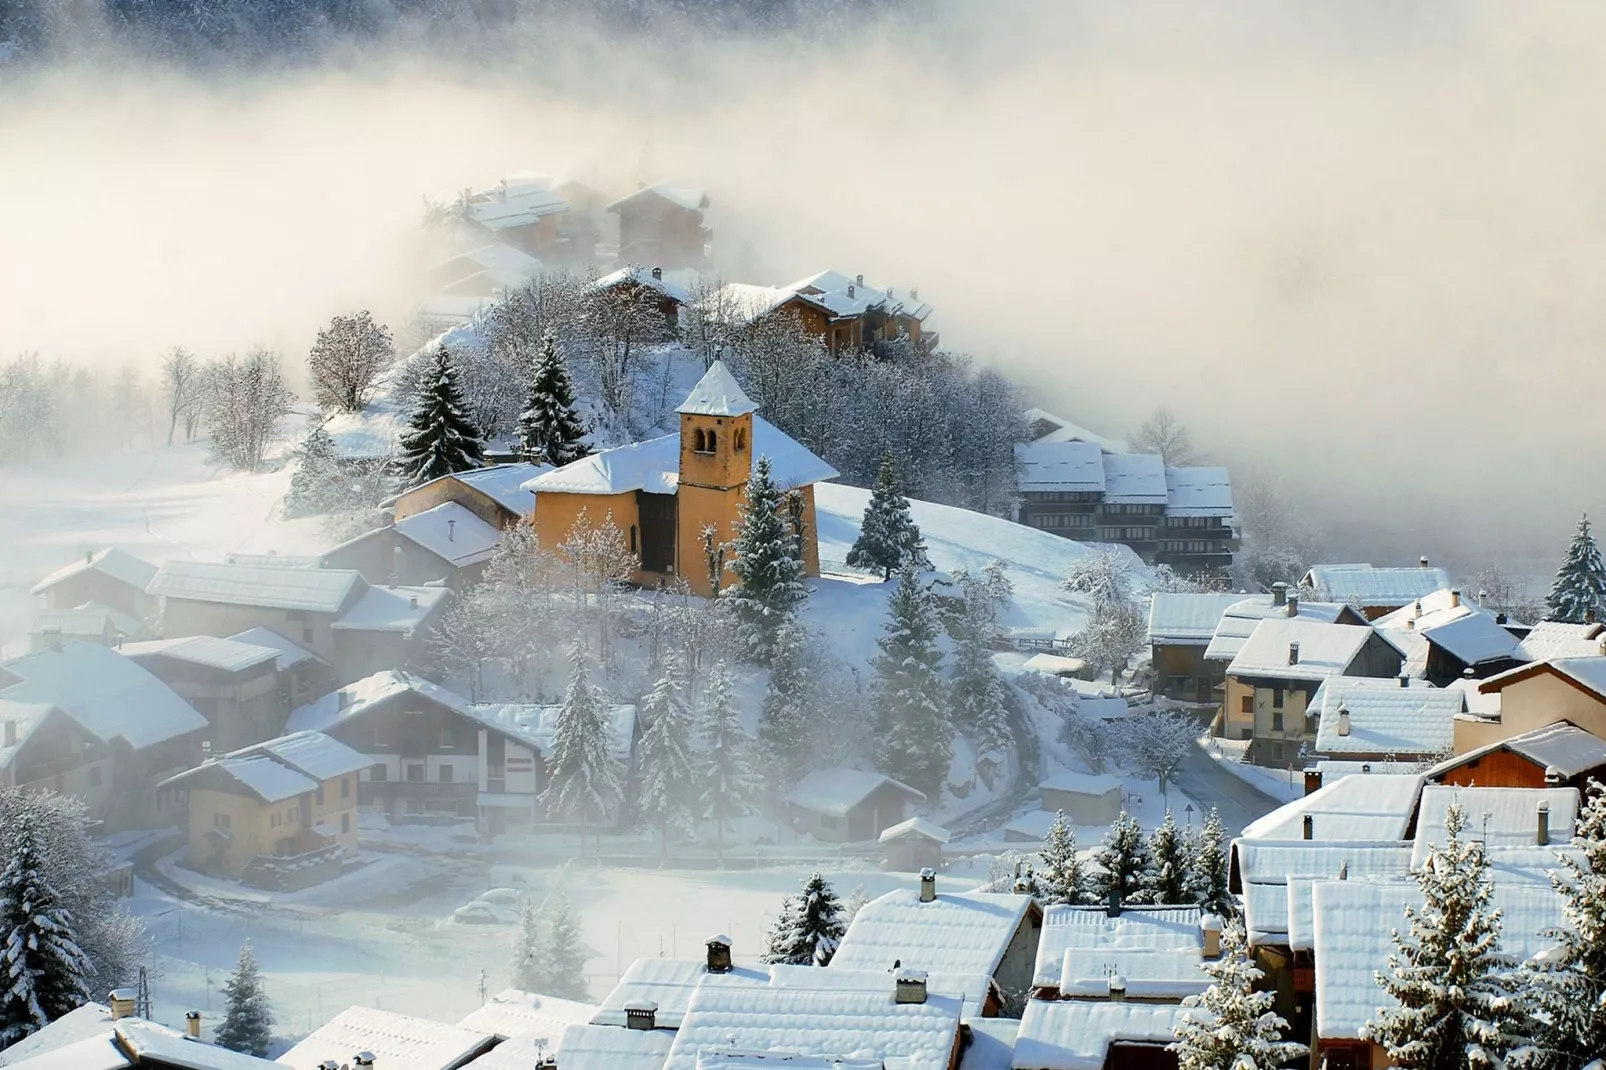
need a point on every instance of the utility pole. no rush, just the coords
(142, 995)
(483, 995)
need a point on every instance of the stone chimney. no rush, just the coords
(1293, 605)
(1210, 930)
(122, 1002)
(1343, 720)
(641, 1014)
(719, 954)
(1112, 909)
(1117, 986)
(1293, 652)
(658, 273)
(909, 986)
(928, 885)
(1542, 836)
(1455, 597)
(1308, 827)
(192, 1024)
(1279, 594)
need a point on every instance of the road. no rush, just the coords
(1206, 783)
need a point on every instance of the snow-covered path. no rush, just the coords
(1202, 780)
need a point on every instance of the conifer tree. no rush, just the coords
(1454, 998)
(780, 936)
(1211, 863)
(528, 964)
(888, 536)
(817, 924)
(1232, 1026)
(440, 438)
(42, 969)
(978, 697)
(1061, 879)
(784, 717)
(1122, 859)
(668, 794)
(248, 1017)
(565, 972)
(730, 783)
(584, 783)
(1579, 593)
(768, 559)
(550, 430)
(1168, 878)
(913, 743)
(315, 485)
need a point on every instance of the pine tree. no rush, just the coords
(550, 430)
(1061, 879)
(1454, 999)
(668, 789)
(1579, 593)
(1168, 878)
(978, 697)
(731, 785)
(768, 559)
(783, 719)
(1211, 886)
(315, 484)
(1234, 1026)
(888, 537)
(440, 438)
(565, 954)
(913, 740)
(817, 925)
(528, 964)
(44, 969)
(248, 1017)
(778, 940)
(584, 784)
(1122, 859)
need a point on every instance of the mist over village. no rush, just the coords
(759, 535)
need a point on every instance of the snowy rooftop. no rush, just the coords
(1356, 808)
(504, 483)
(717, 394)
(313, 753)
(516, 202)
(852, 1023)
(90, 620)
(736, 1059)
(452, 532)
(746, 302)
(108, 695)
(1091, 929)
(1239, 619)
(1554, 639)
(965, 932)
(836, 791)
(972, 988)
(1474, 638)
(604, 1047)
(1086, 783)
(642, 276)
(98, 1052)
(1565, 747)
(1150, 973)
(228, 655)
(113, 561)
(1134, 479)
(1073, 466)
(1384, 720)
(1332, 769)
(512, 1013)
(1432, 609)
(916, 826)
(1275, 911)
(1187, 619)
(1370, 586)
(88, 1039)
(1324, 649)
(290, 655)
(1066, 431)
(264, 777)
(681, 196)
(391, 609)
(322, 590)
(502, 264)
(81, 1023)
(670, 984)
(280, 768)
(1500, 817)
(157, 1045)
(400, 1042)
(1588, 673)
(992, 1043)
(1198, 490)
(1077, 1034)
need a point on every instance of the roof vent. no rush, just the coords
(850, 289)
(1117, 986)
(1308, 826)
(1343, 720)
(641, 1014)
(1405, 680)
(1542, 833)
(928, 885)
(1455, 597)
(909, 986)
(859, 279)
(1293, 652)
(1424, 560)
(362, 1058)
(719, 954)
(1293, 605)
(451, 528)
(1279, 594)
(1410, 624)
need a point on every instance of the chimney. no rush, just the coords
(1410, 624)
(11, 732)
(909, 986)
(928, 885)
(192, 1024)
(859, 279)
(1405, 680)
(362, 1058)
(1117, 986)
(1210, 927)
(1416, 609)
(412, 602)
(89, 557)
(1308, 827)
(1279, 594)
(328, 1064)
(641, 1014)
(719, 954)
(1542, 811)
(1112, 909)
(1293, 652)
(343, 699)
(1552, 776)
(914, 293)
(52, 634)
(122, 1003)
(1501, 618)
(1468, 674)
(451, 528)
(1455, 597)
(850, 289)
(658, 273)
(1343, 720)
(1424, 560)
(1293, 605)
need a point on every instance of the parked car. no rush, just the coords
(477, 913)
(502, 897)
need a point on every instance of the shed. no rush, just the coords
(849, 805)
(1086, 798)
(914, 845)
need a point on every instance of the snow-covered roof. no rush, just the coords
(517, 201)
(1092, 929)
(1239, 619)
(1072, 466)
(502, 264)
(1268, 868)
(834, 792)
(1355, 808)
(1557, 639)
(1187, 619)
(452, 532)
(736, 1059)
(963, 932)
(1324, 649)
(113, 561)
(1386, 719)
(1085, 783)
(916, 826)
(642, 276)
(670, 984)
(1564, 747)
(399, 1041)
(280, 768)
(1150, 973)
(607, 1047)
(1332, 769)
(1054, 664)
(98, 1052)
(1134, 479)
(1066, 431)
(1474, 639)
(313, 753)
(1198, 490)
(972, 988)
(153, 1044)
(228, 655)
(267, 779)
(312, 590)
(290, 655)
(724, 1014)
(992, 1043)
(745, 302)
(513, 1013)
(1478, 704)
(678, 194)
(90, 620)
(1078, 1034)
(1588, 673)
(1500, 817)
(108, 695)
(391, 609)
(80, 1023)
(504, 483)
(1368, 585)
(717, 393)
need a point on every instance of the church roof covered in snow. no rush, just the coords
(399, 1042)
(108, 695)
(717, 394)
(113, 561)
(957, 932)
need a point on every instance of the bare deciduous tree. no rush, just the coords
(1164, 433)
(181, 383)
(346, 358)
(1155, 743)
(602, 564)
(245, 399)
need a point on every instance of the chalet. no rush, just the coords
(1133, 504)
(1158, 949)
(1535, 696)
(552, 220)
(112, 577)
(666, 492)
(740, 304)
(663, 224)
(495, 494)
(848, 805)
(1180, 629)
(88, 623)
(44, 749)
(233, 684)
(446, 544)
(647, 285)
(386, 1039)
(1047, 427)
(303, 675)
(1196, 531)
(1104, 1034)
(487, 271)
(914, 845)
(1368, 719)
(1374, 591)
(108, 1036)
(1445, 638)
(1560, 754)
(875, 315)
(1061, 485)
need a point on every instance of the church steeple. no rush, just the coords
(716, 432)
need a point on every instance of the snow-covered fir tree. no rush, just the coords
(1232, 1026)
(440, 438)
(583, 784)
(667, 798)
(550, 430)
(913, 740)
(888, 536)
(731, 786)
(44, 969)
(1168, 878)
(247, 1016)
(528, 963)
(315, 485)
(1579, 593)
(565, 958)
(1061, 878)
(817, 925)
(768, 559)
(1455, 1008)
(978, 698)
(783, 720)
(1122, 859)
(1211, 865)
(778, 939)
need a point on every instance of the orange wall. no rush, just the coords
(557, 513)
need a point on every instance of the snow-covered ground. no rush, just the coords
(1282, 784)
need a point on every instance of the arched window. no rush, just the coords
(713, 442)
(741, 439)
(698, 442)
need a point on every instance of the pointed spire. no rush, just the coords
(717, 394)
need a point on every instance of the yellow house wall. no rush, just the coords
(557, 513)
(1532, 704)
(248, 824)
(1236, 723)
(334, 806)
(1471, 734)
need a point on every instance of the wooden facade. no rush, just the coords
(656, 230)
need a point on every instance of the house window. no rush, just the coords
(633, 539)
(448, 737)
(740, 437)
(345, 786)
(94, 776)
(221, 821)
(446, 774)
(1276, 720)
(415, 774)
(1276, 698)
(1246, 704)
(378, 773)
(345, 822)
(306, 635)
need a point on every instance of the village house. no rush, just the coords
(495, 494)
(1159, 950)
(1196, 532)
(1534, 696)
(1180, 629)
(914, 845)
(1550, 639)
(303, 675)
(647, 285)
(1374, 591)
(386, 1039)
(1060, 485)
(446, 544)
(1368, 719)
(1086, 799)
(1043, 426)
(664, 493)
(1446, 638)
(849, 805)
(111, 577)
(1558, 755)
(872, 315)
(281, 814)
(663, 224)
(42, 749)
(233, 684)
(484, 272)
(88, 623)
(551, 220)
(1101, 1035)
(108, 1036)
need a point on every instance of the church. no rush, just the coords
(662, 493)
